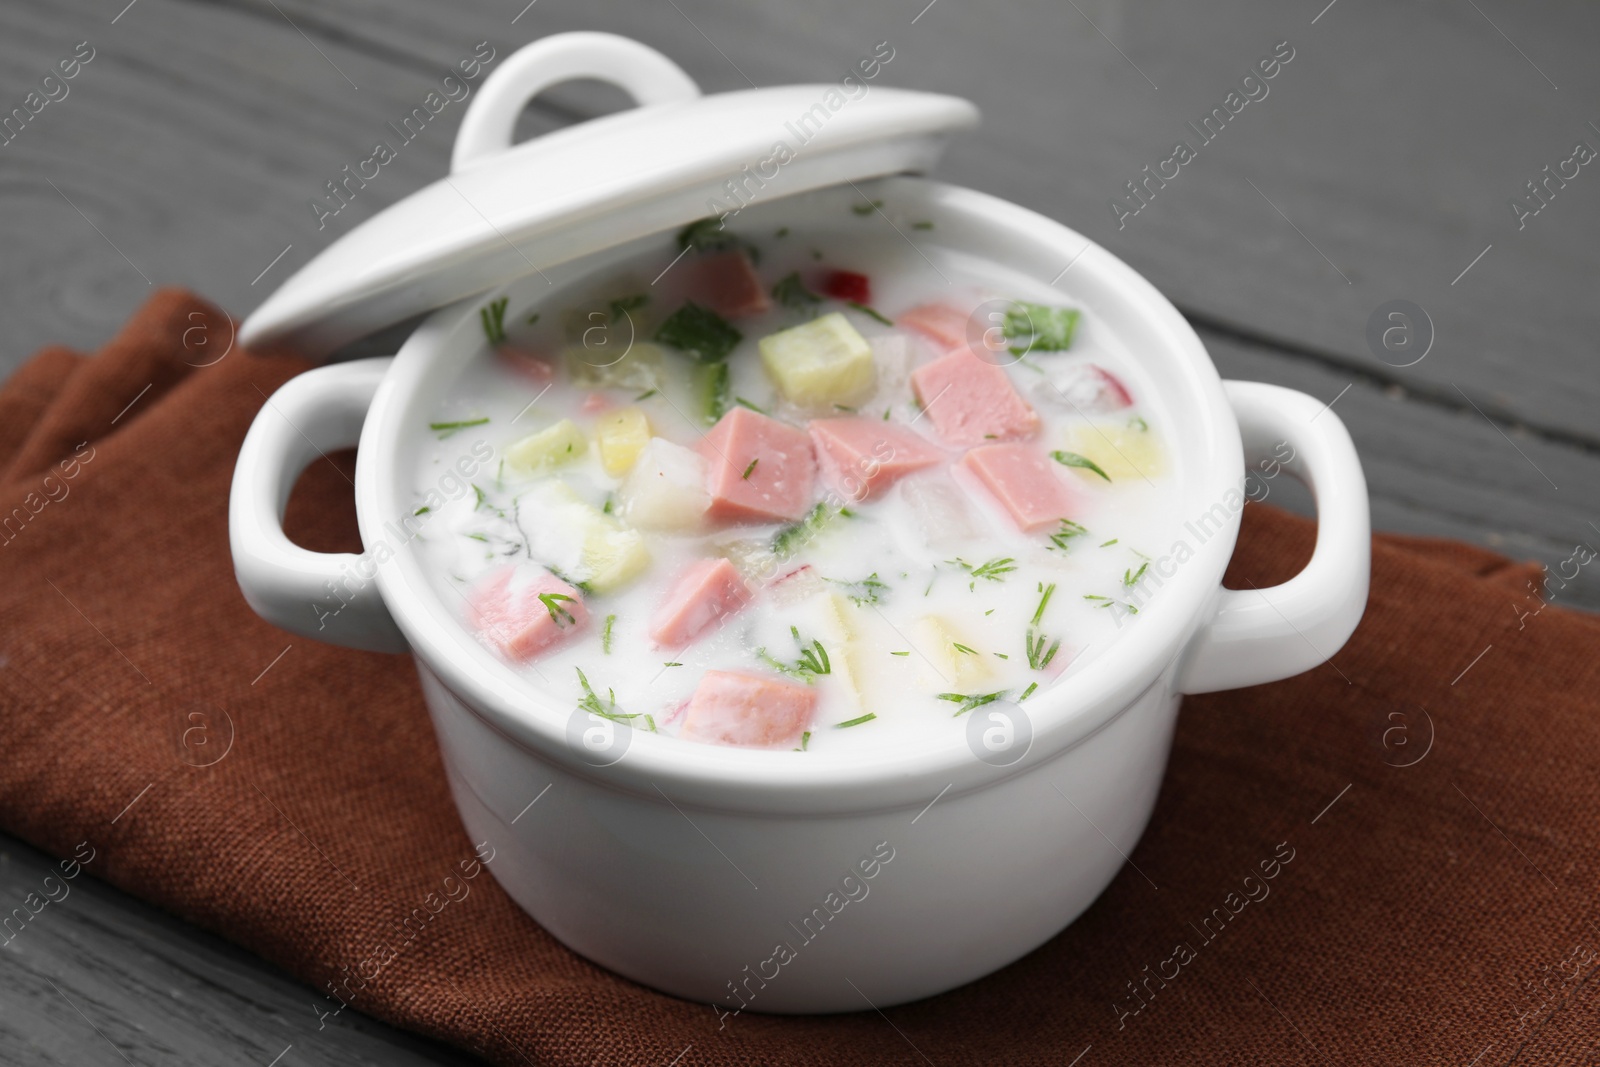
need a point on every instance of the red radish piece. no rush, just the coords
(861, 457)
(727, 283)
(1025, 482)
(758, 469)
(846, 285)
(509, 614)
(702, 597)
(734, 708)
(1087, 390)
(970, 400)
(595, 403)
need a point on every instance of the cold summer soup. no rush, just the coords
(794, 492)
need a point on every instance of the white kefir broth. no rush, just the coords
(885, 658)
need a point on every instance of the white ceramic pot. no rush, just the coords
(759, 880)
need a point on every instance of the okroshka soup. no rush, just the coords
(794, 490)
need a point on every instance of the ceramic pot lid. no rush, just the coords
(509, 210)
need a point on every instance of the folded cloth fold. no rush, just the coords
(1425, 801)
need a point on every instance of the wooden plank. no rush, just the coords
(1379, 166)
(96, 973)
(200, 165)
(1439, 471)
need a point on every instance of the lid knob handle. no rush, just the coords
(645, 74)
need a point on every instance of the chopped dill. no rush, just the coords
(869, 590)
(746, 475)
(1073, 459)
(742, 402)
(867, 207)
(605, 634)
(608, 710)
(792, 538)
(448, 429)
(646, 395)
(1044, 602)
(558, 614)
(868, 717)
(963, 649)
(1130, 578)
(1108, 544)
(791, 292)
(624, 304)
(493, 318)
(1040, 650)
(968, 701)
(871, 312)
(813, 659)
(1067, 532)
(995, 570)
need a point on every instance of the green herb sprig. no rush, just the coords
(449, 429)
(869, 590)
(1038, 327)
(968, 701)
(493, 318)
(1073, 459)
(995, 570)
(791, 292)
(699, 333)
(608, 709)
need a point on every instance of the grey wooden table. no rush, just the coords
(1385, 162)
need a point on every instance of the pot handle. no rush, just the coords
(647, 75)
(322, 595)
(1264, 635)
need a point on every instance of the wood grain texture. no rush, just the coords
(1378, 166)
(100, 978)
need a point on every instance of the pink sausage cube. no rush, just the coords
(534, 366)
(508, 613)
(733, 708)
(777, 488)
(727, 283)
(970, 400)
(862, 457)
(705, 594)
(1025, 482)
(942, 324)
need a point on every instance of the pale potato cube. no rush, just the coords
(953, 670)
(550, 447)
(820, 363)
(1125, 452)
(578, 540)
(617, 364)
(666, 489)
(612, 554)
(620, 435)
(842, 638)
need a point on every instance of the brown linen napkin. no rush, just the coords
(1427, 801)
